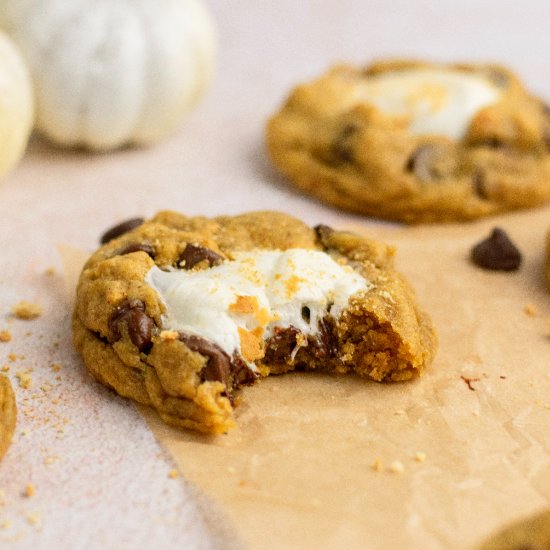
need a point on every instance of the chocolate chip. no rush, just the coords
(479, 183)
(280, 346)
(137, 247)
(193, 254)
(242, 375)
(499, 78)
(492, 142)
(323, 233)
(421, 162)
(342, 148)
(120, 229)
(306, 314)
(327, 343)
(497, 252)
(139, 324)
(218, 367)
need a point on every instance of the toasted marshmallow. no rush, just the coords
(255, 293)
(435, 101)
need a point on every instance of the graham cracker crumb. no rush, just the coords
(420, 457)
(531, 310)
(33, 519)
(30, 490)
(5, 335)
(25, 379)
(173, 474)
(396, 467)
(169, 335)
(27, 310)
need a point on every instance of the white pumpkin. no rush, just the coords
(113, 72)
(16, 105)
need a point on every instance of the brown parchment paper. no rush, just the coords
(338, 462)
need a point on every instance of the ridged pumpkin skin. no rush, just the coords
(109, 73)
(16, 105)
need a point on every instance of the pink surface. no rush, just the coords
(101, 479)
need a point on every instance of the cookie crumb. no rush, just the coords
(396, 467)
(531, 310)
(377, 465)
(30, 490)
(173, 474)
(5, 335)
(420, 457)
(27, 310)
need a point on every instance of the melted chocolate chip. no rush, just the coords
(327, 347)
(193, 254)
(421, 162)
(120, 229)
(242, 375)
(280, 346)
(137, 247)
(497, 252)
(342, 148)
(233, 372)
(218, 367)
(139, 324)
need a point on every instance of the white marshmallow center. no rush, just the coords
(273, 286)
(436, 101)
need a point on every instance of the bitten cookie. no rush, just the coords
(7, 414)
(415, 142)
(179, 312)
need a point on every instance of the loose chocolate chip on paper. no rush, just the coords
(120, 229)
(497, 252)
(139, 324)
(193, 254)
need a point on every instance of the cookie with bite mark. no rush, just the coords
(415, 142)
(8, 414)
(181, 312)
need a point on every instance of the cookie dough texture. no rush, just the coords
(7, 414)
(415, 142)
(529, 534)
(120, 321)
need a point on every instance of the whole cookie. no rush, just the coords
(180, 312)
(529, 534)
(415, 142)
(7, 414)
